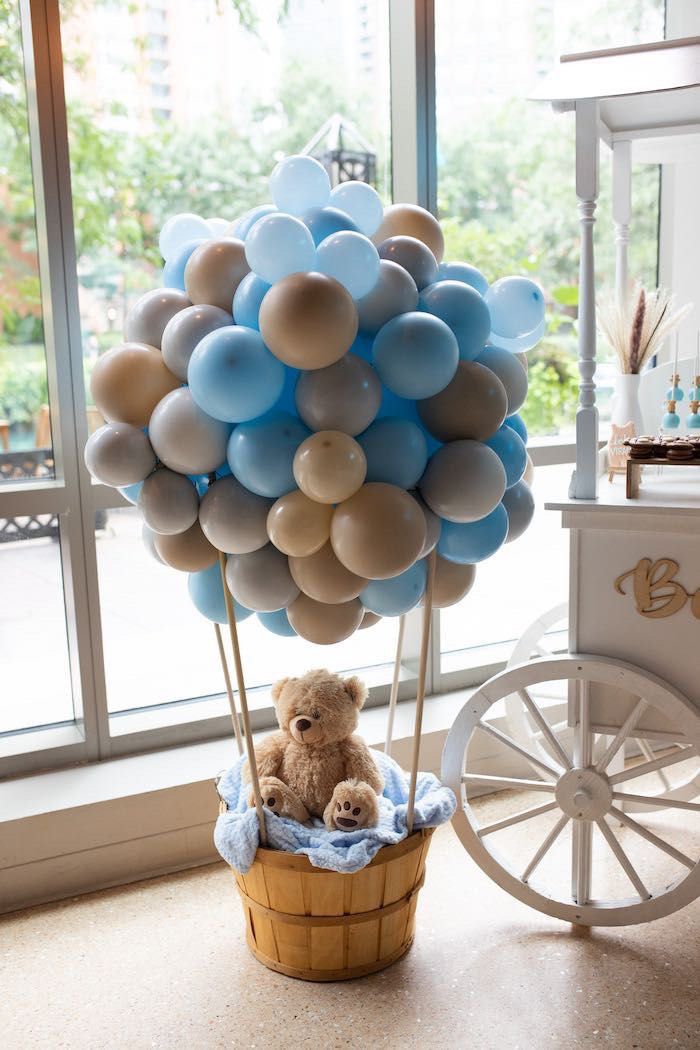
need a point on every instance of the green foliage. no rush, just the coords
(552, 390)
(23, 386)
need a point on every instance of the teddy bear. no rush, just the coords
(314, 766)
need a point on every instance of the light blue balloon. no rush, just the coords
(178, 230)
(287, 399)
(261, 453)
(399, 594)
(278, 623)
(351, 259)
(233, 376)
(693, 420)
(323, 222)
(246, 222)
(671, 421)
(200, 482)
(463, 309)
(132, 492)
(278, 245)
(248, 299)
(674, 393)
(461, 271)
(474, 541)
(517, 313)
(415, 354)
(515, 422)
(298, 183)
(519, 505)
(396, 452)
(361, 202)
(511, 451)
(174, 269)
(207, 594)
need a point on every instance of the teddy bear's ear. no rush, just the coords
(357, 690)
(277, 689)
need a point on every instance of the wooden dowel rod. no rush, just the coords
(395, 685)
(238, 667)
(229, 688)
(420, 693)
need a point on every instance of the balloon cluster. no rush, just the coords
(315, 393)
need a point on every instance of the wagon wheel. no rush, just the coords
(575, 807)
(533, 643)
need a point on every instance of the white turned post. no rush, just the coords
(621, 208)
(585, 480)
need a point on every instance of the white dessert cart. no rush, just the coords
(554, 825)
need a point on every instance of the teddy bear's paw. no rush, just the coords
(281, 800)
(353, 806)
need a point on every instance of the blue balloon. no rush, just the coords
(200, 482)
(132, 492)
(224, 471)
(475, 541)
(674, 393)
(515, 422)
(261, 453)
(351, 259)
(517, 313)
(461, 271)
(399, 594)
(248, 299)
(396, 452)
(323, 222)
(361, 202)
(207, 594)
(510, 449)
(363, 346)
(278, 245)
(246, 222)
(287, 399)
(233, 376)
(174, 269)
(461, 308)
(416, 355)
(299, 183)
(278, 623)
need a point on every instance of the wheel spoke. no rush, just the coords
(648, 753)
(621, 735)
(545, 727)
(623, 860)
(650, 767)
(507, 782)
(581, 840)
(541, 651)
(652, 838)
(584, 739)
(658, 801)
(516, 818)
(523, 752)
(545, 847)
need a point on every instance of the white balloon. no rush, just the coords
(178, 230)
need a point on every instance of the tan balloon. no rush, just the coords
(233, 518)
(472, 405)
(185, 330)
(308, 320)
(298, 526)
(128, 382)
(119, 454)
(324, 624)
(329, 466)
(214, 270)
(464, 481)
(369, 619)
(169, 502)
(261, 580)
(379, 532)
(324, 578)
(147, 318)
(345, 396)
(188, 551)
(410, 220)
(452, 582)
(529, 475)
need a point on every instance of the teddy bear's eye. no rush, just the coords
(316, 714)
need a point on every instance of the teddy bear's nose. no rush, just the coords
(302, 725)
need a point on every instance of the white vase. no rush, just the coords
(625, 407)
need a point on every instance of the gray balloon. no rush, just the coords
(184, 437)
(261, 580)
(464, 481)
(394, 293)
(169, 502)
(185, 329)
(414, 256)
(148, 537)
(520, 508)
(344, 396)
(233, 518)
(509, 371)
(119, 454)
(433, 525)
(147, 318)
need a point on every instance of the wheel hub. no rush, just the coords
(584, 794)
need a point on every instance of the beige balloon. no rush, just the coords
(308, 320)
(214, 270)
(529, 475)
(234, 519)
(324, 578)
(410, 220)
(169, 502)
(128, 382)
(472, 405)
(119, 454)
(464, 481)
(379, 532)
(261, 580)
(324, 624)
(188, 551)
(369, 619)
(329, 466)
(185, 330)
(452, 582)
(298, 526)
(147, 318)
(345, 396)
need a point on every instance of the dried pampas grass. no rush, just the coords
(636, 328)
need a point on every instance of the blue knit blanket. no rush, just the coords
(236, 834)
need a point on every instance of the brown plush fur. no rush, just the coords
(314, 766)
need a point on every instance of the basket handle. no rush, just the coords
(420, 691)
